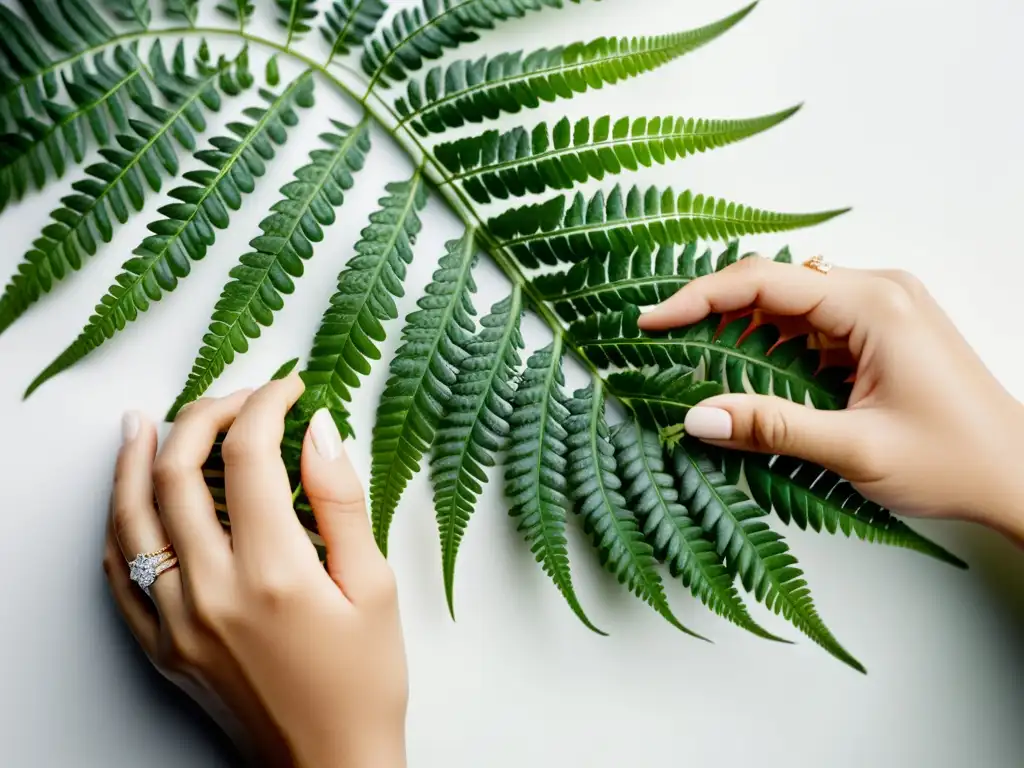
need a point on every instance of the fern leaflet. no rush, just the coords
(186, 10)
(474, 426)
(349, 22)
(134, 12)
(263, 276)
(422, 374)
(661, 398)
(295, 17)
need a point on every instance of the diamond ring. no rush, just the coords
(818, 264)
(147, 567)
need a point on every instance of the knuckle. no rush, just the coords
(213, 609)
(381, 586)
(892, 299)
(276, 587)
(237, 447)
(168, 469)
(183, 648)
(769, 429)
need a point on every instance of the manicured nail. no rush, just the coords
(326, 438)
(648, 308)
(130, 424)
(708, 423)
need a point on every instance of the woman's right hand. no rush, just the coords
(928, 430)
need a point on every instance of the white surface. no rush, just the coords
(913, 117)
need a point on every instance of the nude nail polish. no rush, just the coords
(130, 424)
(326, 438)
(708, 423)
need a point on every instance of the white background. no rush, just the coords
(913, 116)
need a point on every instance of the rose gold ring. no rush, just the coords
(818, 264)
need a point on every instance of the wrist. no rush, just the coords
(1000, 495)
(336, 750)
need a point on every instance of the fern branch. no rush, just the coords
(535, 469)
(92, 213)
(759, 555)
(520, 162)
(661, 397)
(474, 427)
(353, 324)
(595, 487)
(422, 374)
(474, 91)
(263, 276)
(349, 22)
(676, 538)
(547, 233)
(810, 496)
(189, 226)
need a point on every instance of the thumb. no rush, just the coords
(339, 505)
(769, 424)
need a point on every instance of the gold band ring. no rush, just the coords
(818, 264)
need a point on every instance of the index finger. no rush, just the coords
(829, 302)
(264, 528)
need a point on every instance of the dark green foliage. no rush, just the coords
(677, 539)
(474, 426)
(547, 233)
(188, 227)
(41, 145)
(115, 187)
(520, 162)
(349, 22)
(661, 397)
(427, 30)
(285, 369)
(596, 489)
(134, 12)
(535, 468)
(353, 325)
(266, 274)
(239, 10)
(757, 554)
(732, 355)
(422, 374)
(810, 496)
(296, 16)
(185, 10)
(474, 91)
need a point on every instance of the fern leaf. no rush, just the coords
(239, 10)
(134, 12)
(101, 201)
(547, 233)
(535, 468)
(42, 146)
(295, 16)
(520, 162)
(353, 324)
(422, 374)
(189, 226)
(759, 555)
(474, 91)
(265, 275)
(661, 398)
(474, 426)
(666, 524)
(427, 30)
(596, 489)
(349, 22)
(810, 496)
(186, 10)
(735, 356)
(72, 26)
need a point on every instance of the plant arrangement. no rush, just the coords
(464, 395)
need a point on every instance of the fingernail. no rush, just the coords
(648, 308)
(326, 438)
(708, 423)
(130, 424)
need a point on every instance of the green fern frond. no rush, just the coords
(759, 555)
(295, 16)
(547, 233)
(102, 199)
(353, 324)
(189, 226)
(474, 426)
(134, 12)
(99, 100)
(661, 398)
(535, 468)
(676, 538)
(186, 10)
(426, 31)
(72, 26)
(732, 356)
(520, 162)
(349, 22)
(474, 91)
(810, 496)
(239, 10)
(422, 374)
(595, 487)
(265, 275)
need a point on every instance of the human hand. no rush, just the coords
(310, 660)
(928, 430)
